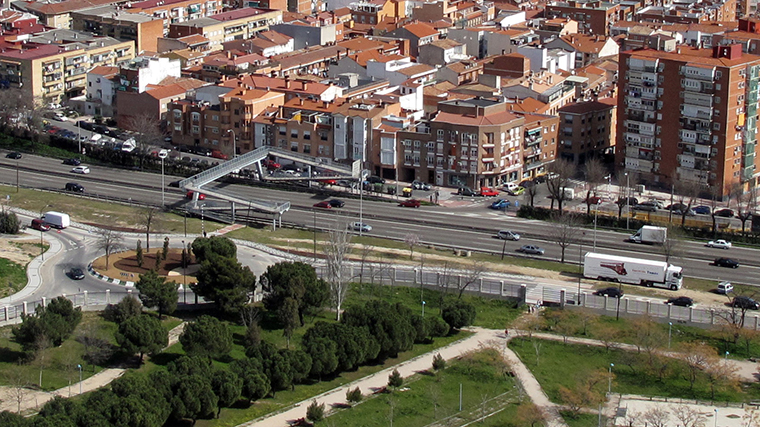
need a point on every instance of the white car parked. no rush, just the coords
(720, 244)
(360, 226)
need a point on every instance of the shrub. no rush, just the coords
(459, 314)
(315, 412)
(439, 362)
(437, 327)
(395, 379)
(354, 396)
(8, 222)
(123, 310)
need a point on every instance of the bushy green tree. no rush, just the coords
(354, 396)
(439, 362)
(155, 291)
(323, 353)
(55, 322)
(255, 383)
(227, 386)
(139, 254)
(142, 334)
(204, 248)
(458, 314)
(193, 398)
(437, 327)
(128, 307)
(389, 324)
(9, 223)
(206, 337)
(226, 282)
(9, 419)
(297, 281)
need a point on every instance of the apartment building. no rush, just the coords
(593, 17)
(223, 27)
(102, 83)
(53, 65)
(539, 143)
(176, 11)
(588, 130)
(689, 115)
(110, 21)
(58, 14)
(474, 142)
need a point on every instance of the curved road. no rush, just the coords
(468, 227)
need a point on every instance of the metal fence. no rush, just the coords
(90, 301)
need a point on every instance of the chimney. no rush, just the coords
(324, 104)
(287, 83)
(300, 101)
(305, 86)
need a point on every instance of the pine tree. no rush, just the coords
(139, 254)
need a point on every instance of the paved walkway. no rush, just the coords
(33, 400)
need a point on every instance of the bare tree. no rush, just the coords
(715, 193)
(751, 418)
(673, 245)
(364, 256)
(687, 416)
(595, 173)
(687, 192)
(97, 348)
(697, 356)
(656, 416)
(109, 241)
(411, 240)
(470, 276)
(148, 217)
(732, 320)
(564, 231)
(336, 251)
(530, 414)
(444, 282)
(435, 398)
(19, 386)
(745, 206)
(41, 345)
(632, 418)
(531, 190)
(148, 132)
(558, 177)
(721, 375)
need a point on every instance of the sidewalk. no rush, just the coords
(33, 400)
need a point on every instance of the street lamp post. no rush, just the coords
(162, 155)
(596, 216)
(203, 226)
(628, 201)
(670, 331)
(580, 272)
(234, 143)
(423, 308)
(726, 357)
(80, 378)
(184, 273)
(609, 379)
(361, 201)
(42, 243)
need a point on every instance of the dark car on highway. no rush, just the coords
(73, 186)
(337, 203)
(703, 210)
(726, 262)
(13, 155)
(745, 302)
(612, 292)
(725, 213)
(682, 301)
(72, 162)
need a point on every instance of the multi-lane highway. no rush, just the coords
(467, 227)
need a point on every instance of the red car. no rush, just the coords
(328, 181)
(201, 196)
(271, 164)
(488, 192)
(218, 155)
(324, 205)
(410, 203)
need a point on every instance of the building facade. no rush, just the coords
(689, 115)
(588, 130)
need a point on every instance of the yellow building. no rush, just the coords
(53, 65)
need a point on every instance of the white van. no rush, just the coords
(509, 187)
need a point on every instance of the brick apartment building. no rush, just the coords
(593, 17)
(587, 129)
(474, 143)
(689, 115)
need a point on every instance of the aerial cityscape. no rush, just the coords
(423, 213)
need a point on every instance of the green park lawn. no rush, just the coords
(556, 365)
(429, 397)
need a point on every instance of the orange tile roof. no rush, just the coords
(529, 105)
(104, 70)
(420, 29)
(589, 107)
(694, 56)
(461, 119)
(585, 43)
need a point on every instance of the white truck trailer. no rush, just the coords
(650, 234)
(632, 270)
(56, 219)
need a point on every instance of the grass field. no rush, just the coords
(556, 364)
(12, 277)
(426, 398)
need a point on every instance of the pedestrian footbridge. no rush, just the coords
(317, 169)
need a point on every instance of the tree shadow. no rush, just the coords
(11, 356)
(164, 359)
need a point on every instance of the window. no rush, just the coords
(439, 135)
(306, 135)
(215, 117)
(177, 114)
(416, 145)
(214, 130)
(178, 127)
(430, 146)
(323, 135)
(196, 129)
(294, 133)
(293, 146)
(282, 130)
(307, 148)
